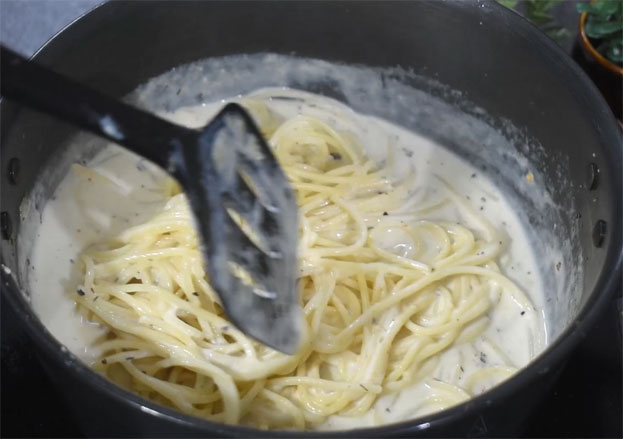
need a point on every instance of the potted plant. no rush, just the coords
(599, 48)
(601, 32)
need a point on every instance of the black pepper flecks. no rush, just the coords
(80, 292)
(195, 293)
(522, 313)
(558, 265)
(473, 175)
(104, 361)
(364, 387)
(336, 155)
(483, 357)
(385, 214)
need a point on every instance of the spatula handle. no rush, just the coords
(44, 90)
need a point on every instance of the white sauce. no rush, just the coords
(88, 208)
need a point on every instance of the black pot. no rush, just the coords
(495, 58)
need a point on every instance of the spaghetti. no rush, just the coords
(384, 288)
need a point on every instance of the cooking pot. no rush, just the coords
(477, 58)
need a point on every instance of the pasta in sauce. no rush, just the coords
(392, 288)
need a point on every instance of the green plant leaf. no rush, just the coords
(538, 17)
(537, 11)
(542, 5)
(508, 3)
(558, 33)
(583, 7)
(601, 8)
(596, 28)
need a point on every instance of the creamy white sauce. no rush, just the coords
(124, 191)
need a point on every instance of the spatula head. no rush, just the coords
(246, 213)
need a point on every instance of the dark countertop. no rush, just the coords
(585, 402)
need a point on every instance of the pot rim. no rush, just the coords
(586, 43)
(552, 355)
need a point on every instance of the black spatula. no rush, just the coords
(244, 207)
